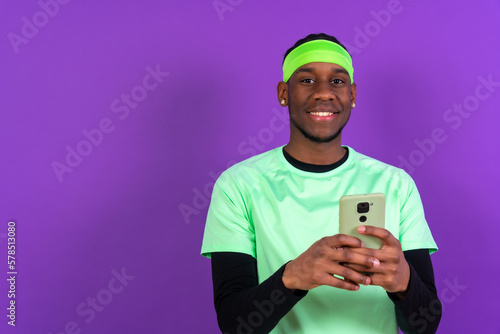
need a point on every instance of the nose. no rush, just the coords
(324, 92)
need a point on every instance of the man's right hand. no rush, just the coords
(317, 265)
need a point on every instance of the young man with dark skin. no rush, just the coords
(324, 89)
(266, 276)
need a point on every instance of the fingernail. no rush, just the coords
(361, 229)
(376, 263)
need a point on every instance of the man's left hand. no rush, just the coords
(393, 274)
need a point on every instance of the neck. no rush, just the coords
(316, 153)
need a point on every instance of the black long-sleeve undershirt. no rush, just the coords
(420, 310)
(244, 306)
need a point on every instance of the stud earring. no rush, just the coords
(283, 102)
(353, 105)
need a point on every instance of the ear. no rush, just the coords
(353, 93)
(282, 93)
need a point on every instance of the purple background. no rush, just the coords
(120, 206)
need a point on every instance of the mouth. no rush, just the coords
(323, 114)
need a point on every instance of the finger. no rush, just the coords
(376, 253)
(342, 240)
(381, 233)
(368, 274)
(347, 275)
(358, 256)
(382, 255)
(371, 267)
(341, 283)
(378, 279)
(337, 254)
(358, 268)
(388, 256)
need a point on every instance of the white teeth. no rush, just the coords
(321, 113)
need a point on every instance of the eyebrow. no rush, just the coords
(311, 69)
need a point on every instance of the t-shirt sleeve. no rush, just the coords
(228, 227)
(414, 232)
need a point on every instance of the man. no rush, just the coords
(278, 261)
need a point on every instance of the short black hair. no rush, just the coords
(313, 37)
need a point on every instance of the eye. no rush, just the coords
(307, 80)
(338, 81)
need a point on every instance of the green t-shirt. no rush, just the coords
(267, 208)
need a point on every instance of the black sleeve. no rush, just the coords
(420, 310)
(243, 305)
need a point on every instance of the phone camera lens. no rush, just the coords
(363, 207)
(362, 219)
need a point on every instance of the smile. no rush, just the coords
(321, 113)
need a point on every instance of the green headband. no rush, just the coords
(317, 51)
